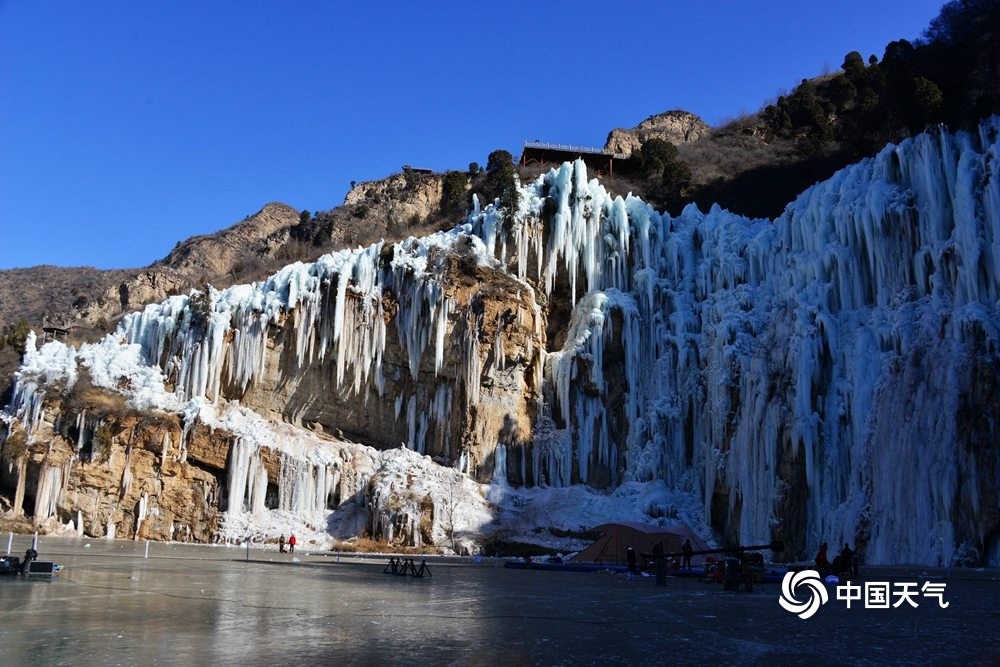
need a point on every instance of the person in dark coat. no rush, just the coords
(281, 543)
(847, 560)
(687, 550)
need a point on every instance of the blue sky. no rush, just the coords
(128, 126)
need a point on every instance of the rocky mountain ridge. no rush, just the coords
(85, 302)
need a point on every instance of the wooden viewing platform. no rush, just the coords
(596, 159)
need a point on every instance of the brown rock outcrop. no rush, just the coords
(675, 126)
(399, 200)
(119, 474)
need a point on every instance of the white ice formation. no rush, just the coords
(811, 375)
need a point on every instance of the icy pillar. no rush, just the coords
(22, 473)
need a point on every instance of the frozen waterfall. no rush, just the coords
(807, 370)
(818, 377)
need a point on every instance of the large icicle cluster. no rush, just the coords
(827, 343)
(203, 341)
(194, 354)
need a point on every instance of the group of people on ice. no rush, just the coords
(291, 543)
(845, 561)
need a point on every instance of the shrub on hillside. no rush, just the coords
(14, 335)
(500, 182)
(453, 192)
(953, 76)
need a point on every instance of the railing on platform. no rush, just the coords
(569, 148)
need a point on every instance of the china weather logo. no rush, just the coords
(812, 584)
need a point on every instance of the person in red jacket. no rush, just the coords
(291, 544)
(822, 562)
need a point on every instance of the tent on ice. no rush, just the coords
(615, 538)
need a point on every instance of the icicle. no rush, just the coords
(141, 514)
(81, 429)
(166, 447)
(500, 465)
(48, 493)
(472, 363)
(498, 352)
(411, 422)
(126, 482)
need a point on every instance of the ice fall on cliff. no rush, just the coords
(832, 375)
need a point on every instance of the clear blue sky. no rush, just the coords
(128, 126)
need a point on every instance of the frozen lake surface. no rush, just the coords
(189, 604)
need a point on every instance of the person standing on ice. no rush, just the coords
(822, 562)
(281, 543)
(291, 544)
(687, 550)
(847, 560)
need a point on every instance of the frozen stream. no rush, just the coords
(207, 605)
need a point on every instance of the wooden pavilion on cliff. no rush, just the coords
(50, 332)
(596, 159)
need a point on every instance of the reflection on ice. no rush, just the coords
(205, 605)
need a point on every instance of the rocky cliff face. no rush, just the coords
(102, 462)
(484, 383)
(397, 201)
(676, 126)
(797, 379)
(479, 386)
(92, 465)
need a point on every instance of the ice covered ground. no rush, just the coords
(189, 604)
